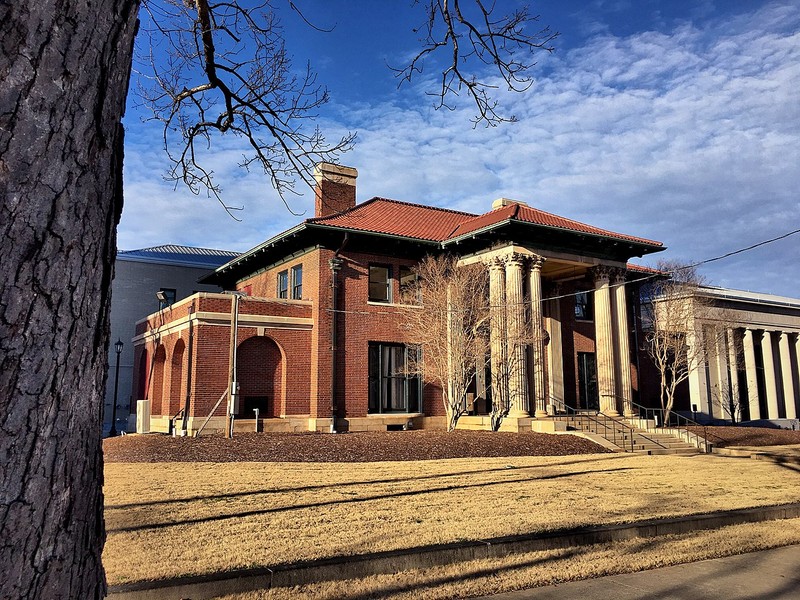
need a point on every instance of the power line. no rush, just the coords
(658, 275)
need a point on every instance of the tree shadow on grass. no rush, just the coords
(430, 490)
(310, 488)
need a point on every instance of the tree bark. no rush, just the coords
(64, 68)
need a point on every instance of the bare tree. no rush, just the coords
(725, 351)
(674, 340)
(222, 68)
(510, 360)
(445, 315)
(65, 68)
(474, 36)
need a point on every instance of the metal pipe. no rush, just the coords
(335, 265)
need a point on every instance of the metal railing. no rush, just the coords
(677, 423)
(614, 429)
(175, 417)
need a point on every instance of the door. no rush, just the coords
(588, 397)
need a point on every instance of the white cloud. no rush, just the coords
(690, 137)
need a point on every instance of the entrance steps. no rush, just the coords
(626, 436)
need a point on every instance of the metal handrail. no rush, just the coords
(673, 420)
(604, 422)
(174, 418)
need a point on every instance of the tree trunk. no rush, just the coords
(64, 68)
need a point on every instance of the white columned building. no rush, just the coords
(750, 372)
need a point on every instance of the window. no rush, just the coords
(283, 284)
(166, 297)
(584, 306)
(380, 282)
(391, 389)
(407, 281)
(297, 282)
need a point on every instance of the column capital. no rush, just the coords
(537, 262)
(618, 275)
(495, 263)
(601, 273)
(515, 258)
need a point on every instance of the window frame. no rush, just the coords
(282, 287)
(384, 299)
(382, 384)
(297, 282)
(407, 273)
(587, 312)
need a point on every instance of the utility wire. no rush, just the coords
(658, 275)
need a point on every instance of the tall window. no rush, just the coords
(584, 306)
(297, 282)
(380, 283)
(283, 284)
(391, 390)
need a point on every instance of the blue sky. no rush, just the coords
(675, 121)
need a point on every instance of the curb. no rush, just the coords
(376, 563)
(758, 455)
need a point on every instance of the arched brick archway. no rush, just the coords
(176, 386)
(260, 370)
(157, 382)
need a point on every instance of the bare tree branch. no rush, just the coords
(476, 38)
(223, 69)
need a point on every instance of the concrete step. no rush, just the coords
(631, 438)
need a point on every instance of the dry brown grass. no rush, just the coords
(534, 569)
(166, 520)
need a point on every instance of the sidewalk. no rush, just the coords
(773, 574)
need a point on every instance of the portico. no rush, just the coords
(526, 345)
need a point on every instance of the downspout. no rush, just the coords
(190, 362)
(335, 264)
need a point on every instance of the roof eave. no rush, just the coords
(393, 236)
(647, 248)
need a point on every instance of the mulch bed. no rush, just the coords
(722, 436)
(343, 447)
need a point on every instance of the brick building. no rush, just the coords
(319, 335)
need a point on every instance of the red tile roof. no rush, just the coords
(391, 217)
(526, 214)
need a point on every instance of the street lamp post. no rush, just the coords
(118, 347)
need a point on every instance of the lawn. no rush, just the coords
(171, 519)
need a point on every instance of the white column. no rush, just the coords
(786, 376)
(515, 352)
(604, 342)
(497, 329)
(622, 351)
(720, 405)
(537, 345)
(698, 383)
(733, 366)
(752, 376)
(555, 359)
(770, 382)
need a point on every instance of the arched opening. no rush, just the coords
(260, 368)
(157, 382)
(177, 387)
(140, 393)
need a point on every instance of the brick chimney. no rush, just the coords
(336, 189)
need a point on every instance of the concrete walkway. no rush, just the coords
(772, 574)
